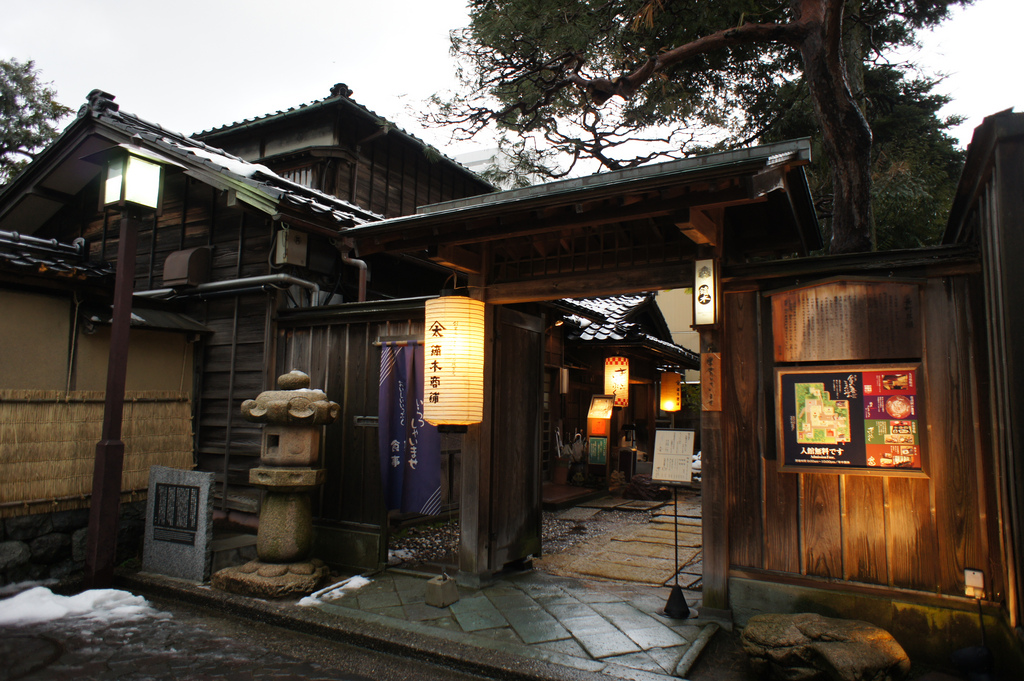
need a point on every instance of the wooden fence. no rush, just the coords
(48, 444)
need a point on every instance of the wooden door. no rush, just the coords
(516, 437)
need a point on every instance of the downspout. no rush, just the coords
(345, 246)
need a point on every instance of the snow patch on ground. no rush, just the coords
(39, 604)
(335, 591)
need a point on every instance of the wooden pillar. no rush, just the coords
(104, 507)
(475, 505)
(714, 477)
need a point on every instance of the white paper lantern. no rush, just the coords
(616, 379)
(453, 361)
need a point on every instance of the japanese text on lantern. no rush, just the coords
(434, 359)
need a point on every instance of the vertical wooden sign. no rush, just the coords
(711, 381)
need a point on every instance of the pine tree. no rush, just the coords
(590, 78)
(29, 114)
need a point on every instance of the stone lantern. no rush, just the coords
(293, 416)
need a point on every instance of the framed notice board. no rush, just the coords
(864, 418)
(673, 456)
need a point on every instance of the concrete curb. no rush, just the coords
(688, 660)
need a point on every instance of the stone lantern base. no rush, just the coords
(271, 580)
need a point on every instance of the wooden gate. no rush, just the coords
(335, 346)
(515, 443)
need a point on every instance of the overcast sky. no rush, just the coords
(191, 65)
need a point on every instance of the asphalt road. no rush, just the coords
(180, 643)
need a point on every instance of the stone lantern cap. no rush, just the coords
(293, 403)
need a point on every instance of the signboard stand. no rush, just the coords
(676, 607)
(673, 462)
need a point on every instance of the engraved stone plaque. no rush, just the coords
(179, 523)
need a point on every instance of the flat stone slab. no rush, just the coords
(683, 521)
(651, 550)
(604, 502)
(578, 513)
(607, 564)
(641, 505)
(661, 534)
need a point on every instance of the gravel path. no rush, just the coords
(439, 542)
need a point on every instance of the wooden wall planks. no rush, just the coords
(740, 434)
(915, 533)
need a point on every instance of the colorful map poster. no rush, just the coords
(864, 417)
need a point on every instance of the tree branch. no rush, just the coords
(603, 89)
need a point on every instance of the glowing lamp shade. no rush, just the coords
(705, 293)
(453, 361)
(670, 394)
(616, 380)
(132, 179)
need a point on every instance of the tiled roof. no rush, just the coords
(340, 94)
(49, 258)
(607, 320)
(256, 177)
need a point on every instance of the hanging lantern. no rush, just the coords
(616, 380)
(671, 397)
(705, 293)
(453, 361)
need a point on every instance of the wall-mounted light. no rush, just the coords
(616, 379)
(671, 397)
(705, 293)
(453, 361)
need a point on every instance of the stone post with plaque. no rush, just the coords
(294, 416)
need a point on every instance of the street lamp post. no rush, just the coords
(133, 182)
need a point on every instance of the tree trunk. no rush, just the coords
(845, 132)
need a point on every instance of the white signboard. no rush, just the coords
(673, 456)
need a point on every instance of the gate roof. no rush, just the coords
(622, 231)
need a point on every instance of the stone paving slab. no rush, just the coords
(692, 509)
(660, 535)
(578, 513)
(686, 581)
(605, 568)
(535, 625)
(604, 502)
(669, 519)
(654, 550)
(642, 505)
(599, 637)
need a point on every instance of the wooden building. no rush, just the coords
(892, 494)
(915, 525)
(237, 244)
(593, 329)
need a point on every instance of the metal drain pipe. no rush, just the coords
(233, 285)
(344, 247)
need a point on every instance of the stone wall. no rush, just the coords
(52, 545)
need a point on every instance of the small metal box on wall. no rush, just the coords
(188, 267)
